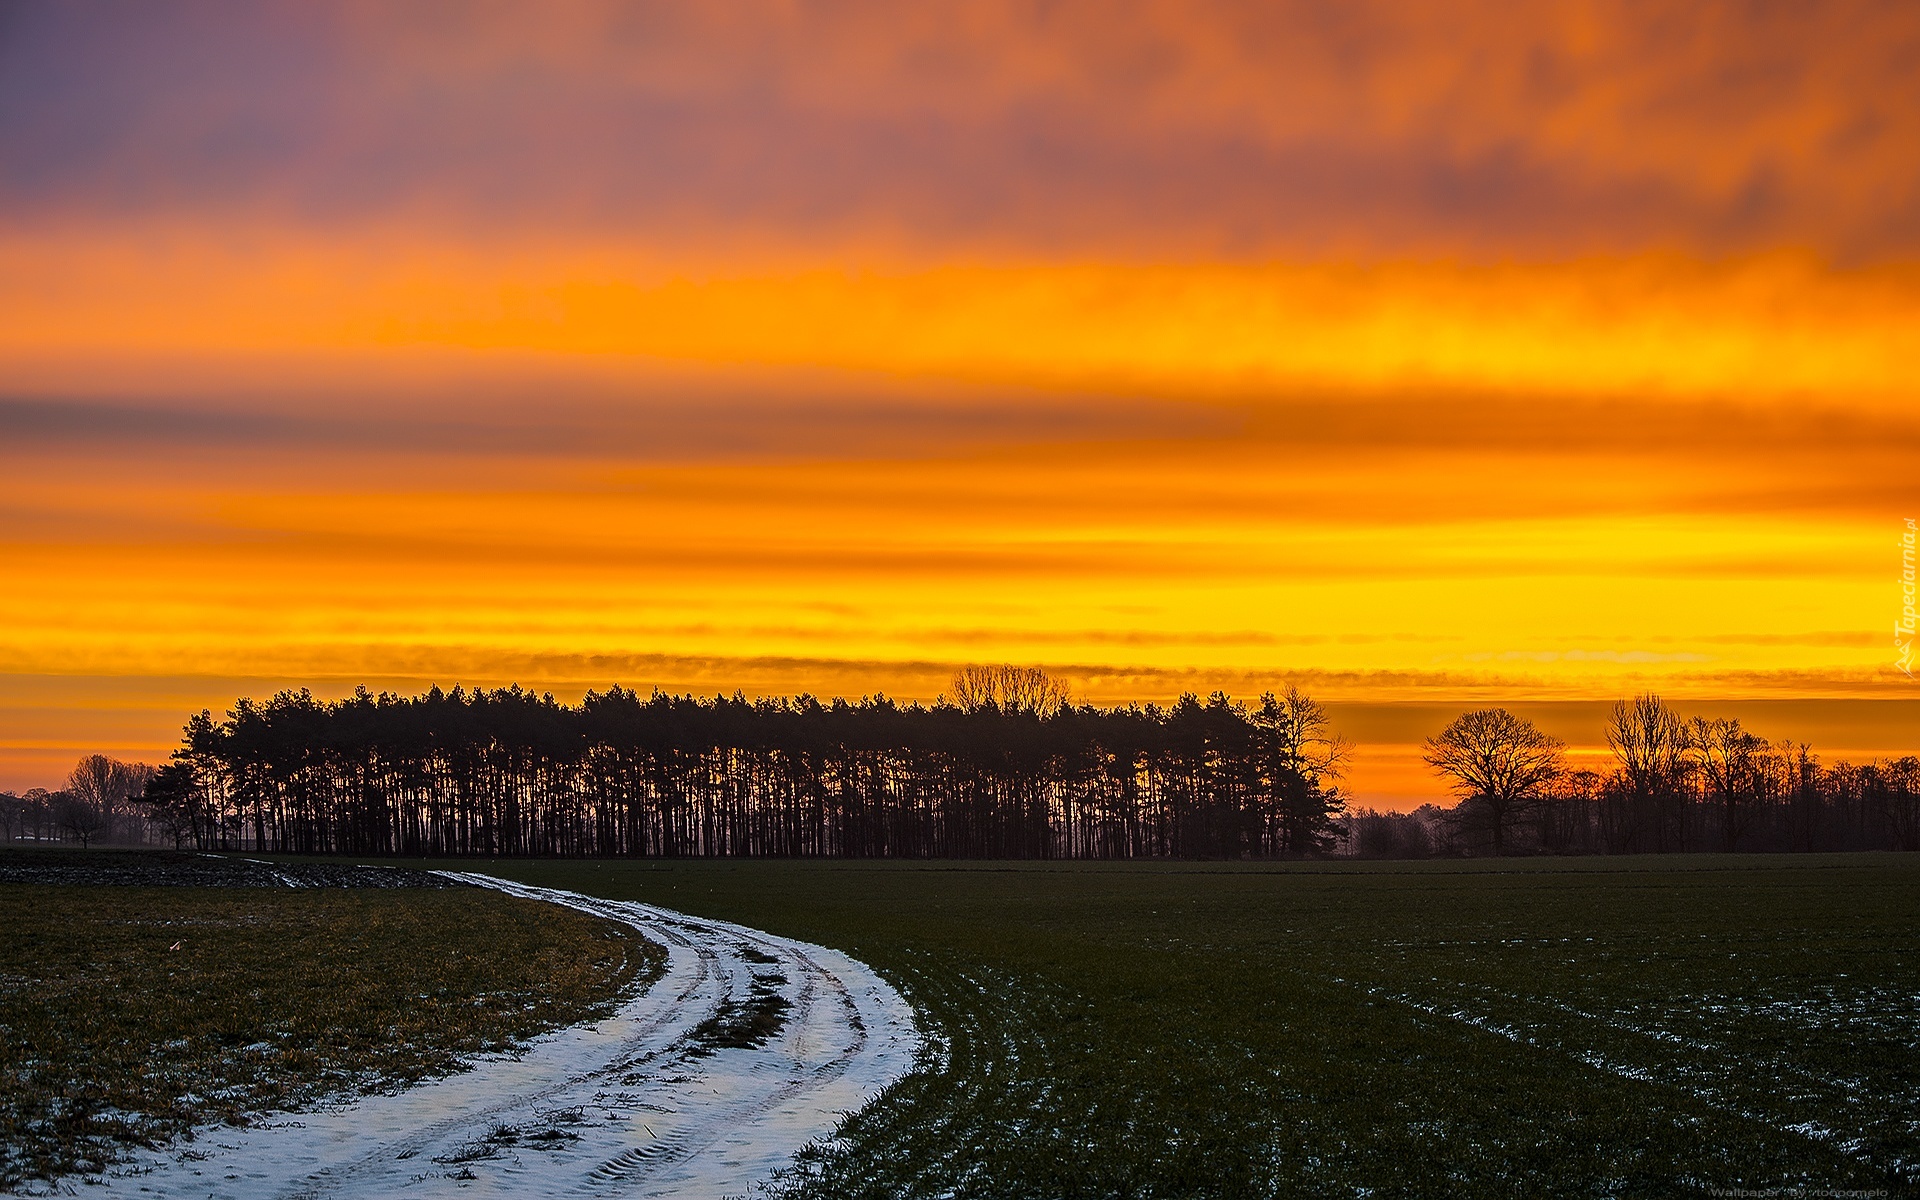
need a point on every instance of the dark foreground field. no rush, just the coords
(141, 994)
(1618, 1027)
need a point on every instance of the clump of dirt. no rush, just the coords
(745, 1026)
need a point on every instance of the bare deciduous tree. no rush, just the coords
(108, 786)
(1302, 761)
(1726, 758)
(1896, 792)
(1301, 736)
(36, 812)
(78, 818)
(1009, 688)
(1650, 741)
(1500, 765)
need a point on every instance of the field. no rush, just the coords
(1616, 1027)
(130, 1013)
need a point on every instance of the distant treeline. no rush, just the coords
(1005, 769)
(104, 801)
(1675, 785)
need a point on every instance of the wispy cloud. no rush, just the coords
(1148, 129)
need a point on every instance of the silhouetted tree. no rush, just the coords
(1009, 688)
(36, 814)
(78, 818)
(1374, 834)
(108, 786)
(174, 801)
(1566, 819)
(1728, 762)
(1299, 761)
(1649, 742)
(1499, 765)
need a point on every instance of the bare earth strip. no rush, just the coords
(747, 1048)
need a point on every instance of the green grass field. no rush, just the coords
(1618, 1027)
(130, 1014)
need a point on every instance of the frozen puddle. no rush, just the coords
(662, 1099)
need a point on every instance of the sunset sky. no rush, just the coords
(1428, 356)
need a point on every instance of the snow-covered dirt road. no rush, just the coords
(670, 1097)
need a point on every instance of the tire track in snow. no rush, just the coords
(640, 1104)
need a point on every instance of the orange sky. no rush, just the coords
(1427, 363)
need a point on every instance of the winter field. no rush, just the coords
(1584, 1027)
(1574, 1027)
(144, 995)
(695, 1057)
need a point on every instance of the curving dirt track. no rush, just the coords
(746, 1049)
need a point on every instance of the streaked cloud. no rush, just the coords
(1770, 328)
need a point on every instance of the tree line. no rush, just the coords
(1007, 767)
(104, 801)
(1675, 784)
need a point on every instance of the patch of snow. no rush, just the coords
(633, 1105)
